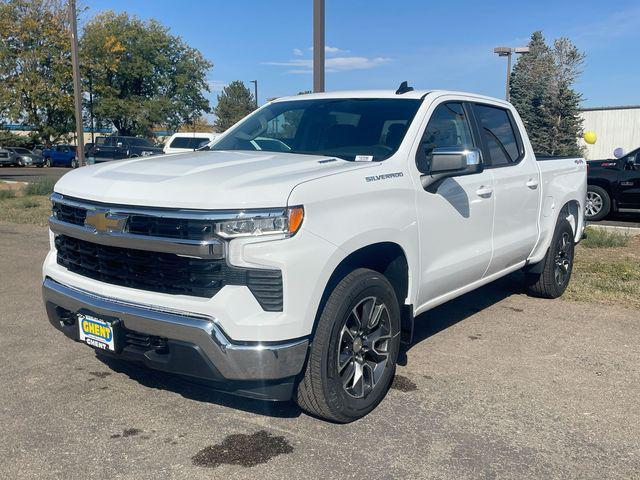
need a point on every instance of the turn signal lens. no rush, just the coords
(296, 215)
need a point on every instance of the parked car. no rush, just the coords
(23, 157)
(61, 156)
(5, 158)
(117, 148)
(188, 142)
(297, 274)
(614, 186)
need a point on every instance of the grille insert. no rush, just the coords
(166, 272)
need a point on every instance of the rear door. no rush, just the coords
(516, 179)
(104, 150)
(629, 182)
(455, 220)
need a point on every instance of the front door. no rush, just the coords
(455, 220)
(629, 182)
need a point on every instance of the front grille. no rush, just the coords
(166, 272)
(4, 155)
(69, 214)
(181, 228)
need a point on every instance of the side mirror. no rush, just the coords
(119, 144)
(452, 162)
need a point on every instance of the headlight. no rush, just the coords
(286, 222)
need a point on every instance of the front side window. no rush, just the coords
(343, 128)
(498, 135)
(447, 127)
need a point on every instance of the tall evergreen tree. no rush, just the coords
(542, 92)
(234, 102)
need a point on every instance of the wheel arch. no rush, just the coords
(387, 258)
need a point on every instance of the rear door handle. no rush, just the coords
(484, 191)
(532, 183)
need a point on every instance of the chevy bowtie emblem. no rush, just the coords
(103, 221)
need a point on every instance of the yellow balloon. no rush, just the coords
(590, 137)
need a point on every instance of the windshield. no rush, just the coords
(21, 150)
(343, 128)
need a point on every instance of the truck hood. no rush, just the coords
(201, 180)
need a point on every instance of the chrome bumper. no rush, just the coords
(233, 361)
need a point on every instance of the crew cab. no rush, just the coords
(60, 156)
(118, 147)
(613, 186)
(296, 272)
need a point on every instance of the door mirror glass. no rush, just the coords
(119, 144)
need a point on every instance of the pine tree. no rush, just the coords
(234, 102)
(542, 92)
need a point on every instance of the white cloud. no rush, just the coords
(216, 85)
(333, 64)
(297, 52)
(329, 50)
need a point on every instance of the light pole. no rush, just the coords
(77, 93)
(318, 45)
(507, 52)
(255, 90)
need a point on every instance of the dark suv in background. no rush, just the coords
(117, 148)
(613, 186)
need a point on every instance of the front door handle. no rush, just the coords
(532, 183)
(484, 191)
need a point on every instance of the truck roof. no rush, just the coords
(414, 94)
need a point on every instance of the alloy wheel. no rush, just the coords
(363, 347)
(594, 204)
(562, 259)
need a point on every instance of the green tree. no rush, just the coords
(542, 92)
(141, 75)
(234, 102)
(35, 67)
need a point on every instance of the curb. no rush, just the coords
(628, 231)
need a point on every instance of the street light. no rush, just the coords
(507, 52)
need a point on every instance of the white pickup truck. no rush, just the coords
(290, 259)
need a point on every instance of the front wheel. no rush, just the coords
(47, 162)
(353, 354)
(552, 280)
(598, 203)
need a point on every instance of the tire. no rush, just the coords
(74, 163)
(552, 281)
(598, 203)
(339, 384)
(47, 162)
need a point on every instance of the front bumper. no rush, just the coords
(191, 345)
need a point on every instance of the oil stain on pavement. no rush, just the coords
(403, 384)
(127, 432)
(244, 450)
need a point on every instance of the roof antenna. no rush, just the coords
(404, 88)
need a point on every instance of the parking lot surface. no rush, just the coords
(29, 174)
(496, 385)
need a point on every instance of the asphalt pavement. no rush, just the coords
(496, 385)
(30, 174)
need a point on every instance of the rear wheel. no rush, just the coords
(353, 355)
(552, 280)
(74, 163)
(598, 203)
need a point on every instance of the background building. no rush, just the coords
(614, 126)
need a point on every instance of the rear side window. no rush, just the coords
(188, 142)
(498, 134)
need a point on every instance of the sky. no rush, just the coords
(376, 44)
